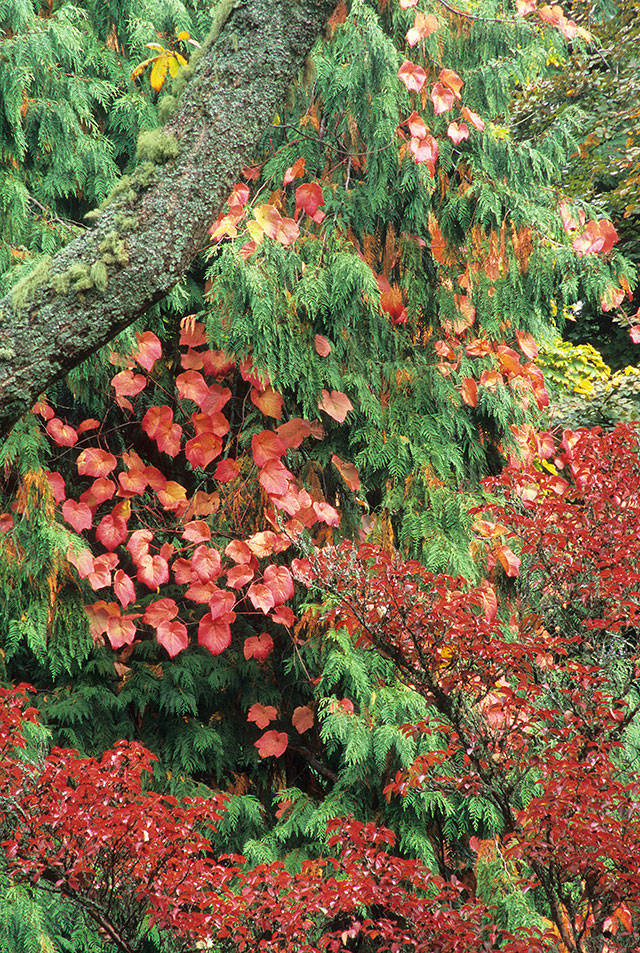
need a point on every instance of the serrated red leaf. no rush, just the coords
(302, 719)
(239, 576)
(336, 404)
(56, 482)
(293, 432)
(258, 647)
(284, 615)
(309, 198)
(121, 630)
(192, 386)
(192, 333)
(262, 715)
(272, 744)
(275, 478)
(99, 492)
(158, 424)
(205, 561)
(217, 363)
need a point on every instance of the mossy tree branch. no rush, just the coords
(147, 236)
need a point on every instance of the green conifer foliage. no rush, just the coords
(416, 292)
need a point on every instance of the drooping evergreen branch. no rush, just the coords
(158, 218)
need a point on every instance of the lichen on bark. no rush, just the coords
(237, 85)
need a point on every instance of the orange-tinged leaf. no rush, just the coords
(226, 471)
(128, 384)
(161, 610)
(425, 150)
(261, 597)
(153, 571)
(149, 349)
(96, 463)
(508, 560)
(62, 434)
(123, 588)
(412, 75)
(192, 332)
(239, 551)
(452, 81)
(77, 515)
(424, 25)
(417, 126)
(469, 391)
(197, 531)
(302, 719)
(121, 630)
(258, 647)
(284, 615)
(473, 118)
(82, 560)
(268, 401)
(262, 715)
(457, 131)
(442, 98)
(238, 576)
(202, 449)
(221, 605)
(293, 432)
(173, 637)
(272, 744)
(309, 198)
(89, 424)
(206, 563)
(347, 471)
(214, 634)
(527, 344)
(158, 424)
(103, 566)
(266, 446)
(268, 219)
(172, 495)
(294, 171)
(262, 544)
(275, 478)
(191, 385)
(326, 513)
(138, 544)
(336, 404)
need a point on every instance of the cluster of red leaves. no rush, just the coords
(86, 828)
(534, 692)
(132, 513)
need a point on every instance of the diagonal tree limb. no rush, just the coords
(145, 240)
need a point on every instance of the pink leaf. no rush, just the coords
(272, 744)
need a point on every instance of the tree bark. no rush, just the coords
(148, 235)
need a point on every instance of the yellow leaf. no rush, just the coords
(180, 58)
(256, 232)
(174, 66)
(159, 72)
(183, 35)
(140, 68)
